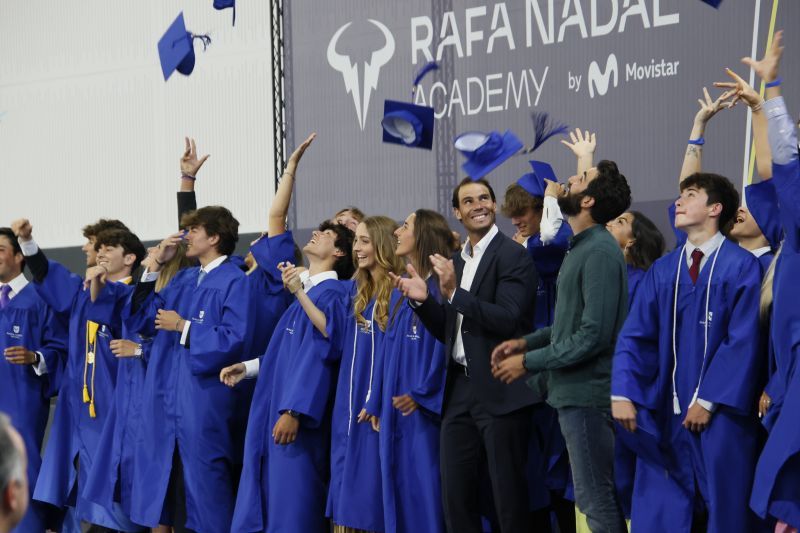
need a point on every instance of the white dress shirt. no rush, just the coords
(472, 259)
(17, 284)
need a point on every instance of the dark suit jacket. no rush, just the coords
(499, 306)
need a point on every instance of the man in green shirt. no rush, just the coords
(574, 355)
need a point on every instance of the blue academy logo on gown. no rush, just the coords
(16, 329)
(15, 332)
(200, 316)
(366, 327)
(710, 319)
(290, 330)
(413, 335)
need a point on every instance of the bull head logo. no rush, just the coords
(341, 63)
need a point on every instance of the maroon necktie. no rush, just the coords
(694, 270)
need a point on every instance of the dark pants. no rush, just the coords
(589, 433)
(174, 512)
(473, 441)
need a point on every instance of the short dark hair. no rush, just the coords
(9, 234)
(129, 242)
(215, 220)
(648, 242)
(467, 181)
(91, 230)
(611, 193)
(517, 201)
(344, 265)
(719, 190)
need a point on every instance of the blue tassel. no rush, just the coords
(543, 128)
(433, 65)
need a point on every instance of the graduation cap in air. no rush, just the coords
(486, 151)
(406, 123)
(533, 182)
(762, 202)
(225, 4)
(176, 48)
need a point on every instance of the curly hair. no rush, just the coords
(611, 193)
(344, 265)
(128, 240)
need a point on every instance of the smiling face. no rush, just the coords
(198, 242)
(363, 249)
(692, 209)
(622, 230)
(405, 237)
(322, 245)
(115, 260)
(476, 209)
(572, 196)
(528, 223)
(10, 261)
(91, 253)
(744, 225)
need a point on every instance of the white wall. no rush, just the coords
(89, 128)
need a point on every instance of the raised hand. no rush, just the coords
(767, 67)
(190, 164)
(583, 143)
(294, 159)
(22, 229)
(231, 375)
(740, 90)
(166, 250)
(124, 347)
(446, 271)
(98, 272)
(290, 275)
(709, 107)
(412, 287)
(554, 189)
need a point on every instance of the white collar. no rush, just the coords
(16, 284)
(312, 281)
(758, 252)
(479, 248)
(708, 247)
(214, 264)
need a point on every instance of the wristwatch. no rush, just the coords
(293, 414)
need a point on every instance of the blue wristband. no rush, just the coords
(699, 141)
(775, 83)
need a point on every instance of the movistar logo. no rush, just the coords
(349, 70)
(598, 81)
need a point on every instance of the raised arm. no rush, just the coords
(291, 280)
(583, 146)
(283, 195)
(693, 159)
(190, 165)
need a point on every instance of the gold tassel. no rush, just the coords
(92, 412)
(85, 393)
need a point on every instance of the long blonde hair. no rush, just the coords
(765, 304)
(173, 266)
(381, 232)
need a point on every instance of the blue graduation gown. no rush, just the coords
(111, 476)
(185, 408)
(354, 495)
(642, 372)
(27, 321)
(776, 490)
(412, 362)
(283, 487)
(75, 434)
(624, 456)
(548, 464)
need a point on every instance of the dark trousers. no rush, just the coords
(472, 442)
(175, 502)
(589, 434)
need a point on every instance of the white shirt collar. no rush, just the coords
(214, 264)
(479, 248)
(708, 248)
(312, 281)
(758, 252)
(16, 284)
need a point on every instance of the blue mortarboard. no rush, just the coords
(225, 4)
(762, 202)
(486, 151)
(713, 3)
(409, 124)
(175, 49)
(533, 182)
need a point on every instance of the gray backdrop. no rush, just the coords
(642, 122)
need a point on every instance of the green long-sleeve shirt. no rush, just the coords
(575, 353)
